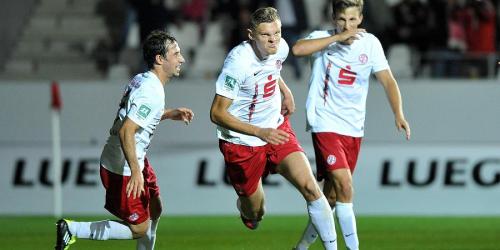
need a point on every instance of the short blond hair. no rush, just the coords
(263, 15)
(339, 6)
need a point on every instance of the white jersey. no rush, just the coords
(253, 86)
(143, 102)
(339, 84)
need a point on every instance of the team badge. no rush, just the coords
(363, 58)
(143, 111)
(133, 217)
(278, 64)
(331, 159)
(229, 83)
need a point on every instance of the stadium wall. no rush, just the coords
(450, 167)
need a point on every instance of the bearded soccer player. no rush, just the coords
(132, 193)
(342, 61)
(255, 135)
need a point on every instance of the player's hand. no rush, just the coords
(135, 185)
(287, 106)
(273, 136)
(354, 34)
(402, 124)
(182, 114)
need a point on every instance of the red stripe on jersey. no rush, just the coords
(327, 79)
(254, 101)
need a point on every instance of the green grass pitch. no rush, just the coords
(274, 233)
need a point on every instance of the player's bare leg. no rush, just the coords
(310, 235)
(295, 168)
(139, 230)
(252, 207)
(329, 192)
(342, 183)
(343, 206)
(148, 241)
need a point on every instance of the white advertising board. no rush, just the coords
(389, 180)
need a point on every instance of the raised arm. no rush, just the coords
(306, 47)
(391, 88)
(220, 116)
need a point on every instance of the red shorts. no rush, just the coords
(133, 211)
(245, 165)
(335, 151)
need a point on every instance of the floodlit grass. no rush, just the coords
(275, 232)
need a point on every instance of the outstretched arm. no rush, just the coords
(306, 47)
(220, 116)
(391, 88)
(178, 114)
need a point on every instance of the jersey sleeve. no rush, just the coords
(316, 35)
(230, 79)
(379, 60)
(144, 108)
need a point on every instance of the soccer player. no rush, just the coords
(132, 193)
(342, 61)
(254, 136)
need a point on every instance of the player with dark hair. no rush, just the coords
(132, 193)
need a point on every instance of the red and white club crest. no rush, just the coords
(363, 58)
(278, 64)
(133, 217)
(331, 159)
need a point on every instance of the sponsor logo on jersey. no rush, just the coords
(229, 83)
(143, 111)
(363, 58)
(346, 76)
(331, 159)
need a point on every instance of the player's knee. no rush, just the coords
(345, 190)
(257, 213)
(311, 191)
(139, 233)
(139, 230)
